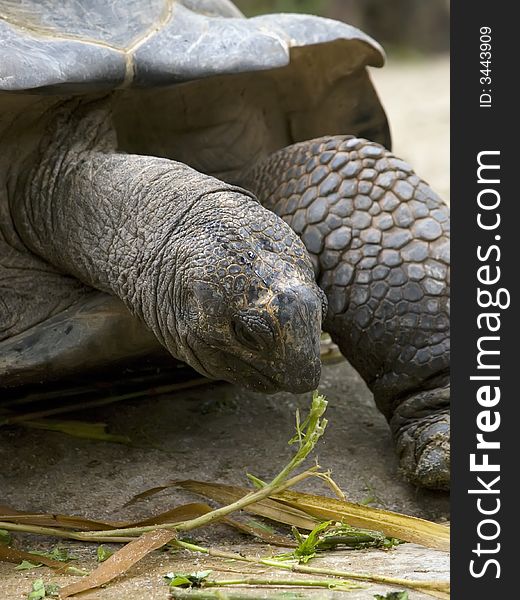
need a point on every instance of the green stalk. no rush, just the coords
(191, 594)
(417, 584)
(437, 586)
(61, 533)
(307, 435)
(206, 519)
(425, 586)
(274, 582)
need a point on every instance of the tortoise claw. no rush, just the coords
(432, 468)
(422, 436)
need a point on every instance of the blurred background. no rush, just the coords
(406, 26)
(414, 84)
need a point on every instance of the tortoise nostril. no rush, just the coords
(252, 331)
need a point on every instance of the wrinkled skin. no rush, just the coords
(224, 284)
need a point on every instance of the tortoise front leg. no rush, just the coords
(379, 240)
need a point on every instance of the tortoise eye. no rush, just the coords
(252, 331)
(245, 336)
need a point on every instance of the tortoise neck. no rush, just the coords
(120, 223)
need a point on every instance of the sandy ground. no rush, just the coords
(220, 432)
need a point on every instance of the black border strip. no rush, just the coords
(484, 124)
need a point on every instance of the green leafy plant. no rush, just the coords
(340, 534)
(184, 580)
(307, 544)
(329, 535)
(57, 553)
(41, 590)
(392, 596)
(5, 537)
(27, 565)
(270, 500)
(102, 553)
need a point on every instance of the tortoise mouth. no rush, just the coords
(228, 367)
(257, 373)
(244, 373)
(253, 378)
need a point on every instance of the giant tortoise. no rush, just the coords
(155, 155)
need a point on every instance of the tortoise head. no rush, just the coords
(252, 311)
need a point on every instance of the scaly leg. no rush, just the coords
(379, 240)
